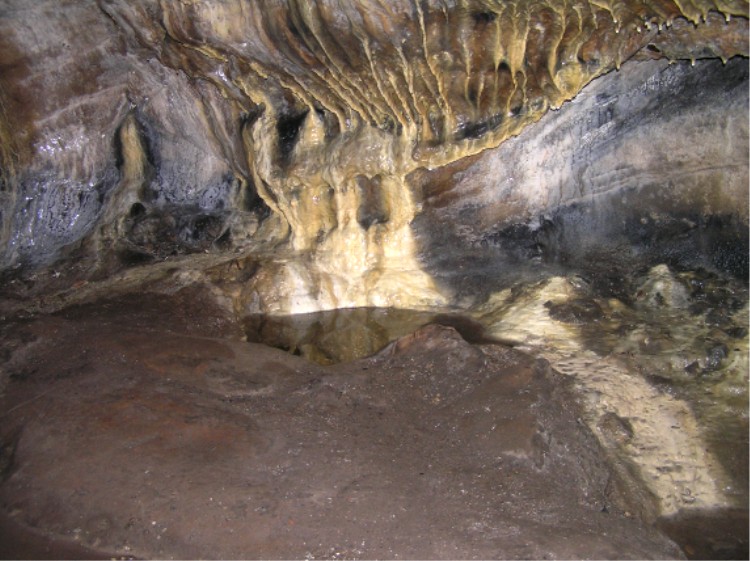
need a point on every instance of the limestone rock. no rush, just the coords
(155, 438)
(178, 127)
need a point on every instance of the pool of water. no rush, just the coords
(348, 334)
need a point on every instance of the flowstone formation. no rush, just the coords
(181, 179)
(182, 127)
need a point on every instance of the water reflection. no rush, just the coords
(337, 335)
(349, 334)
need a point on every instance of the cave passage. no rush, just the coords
(357, 280)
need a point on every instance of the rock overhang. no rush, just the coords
(322, 130)
(294, 157)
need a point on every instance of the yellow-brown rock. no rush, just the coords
(133, 131)
(569, 177)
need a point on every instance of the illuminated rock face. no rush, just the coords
(318, 133)
(556, 173)
(647, 165)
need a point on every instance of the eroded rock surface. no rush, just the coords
(180, 127)
(155, 438)
(567, 177)
(647, 165)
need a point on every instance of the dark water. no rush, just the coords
(348, 334)
(334, 336)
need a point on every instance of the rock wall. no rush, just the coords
(647, 165)
(135, 131)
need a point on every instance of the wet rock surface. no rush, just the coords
(144, 426)
(168, 129)
(179, 180)
(619, 180)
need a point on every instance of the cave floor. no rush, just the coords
(144, 426)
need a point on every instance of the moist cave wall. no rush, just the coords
(160, 132)
(566, 183)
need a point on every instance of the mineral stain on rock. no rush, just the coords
(507, 242)
(432, 448)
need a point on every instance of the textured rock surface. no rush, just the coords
(178, 127)
(165, 436)
(646, 165)
(297, 156)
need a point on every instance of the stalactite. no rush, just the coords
(374, 90)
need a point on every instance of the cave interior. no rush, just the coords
(438, 279)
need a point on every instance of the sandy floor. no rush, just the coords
(144, 426)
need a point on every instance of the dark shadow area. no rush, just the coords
(288, 128)
(607, 242)
(20, 542)
(709, 534)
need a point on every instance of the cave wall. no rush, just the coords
(100, 134)
(131, 132)
(647, 165)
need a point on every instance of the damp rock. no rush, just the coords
(652, 345)
(618, 430)
(736, 332)
(578, 311)
(662, 289)
(715, 356)
(693, 368)
(170, 231)
(718, 316)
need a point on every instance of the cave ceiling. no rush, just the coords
(568, 177)
(135, 131)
